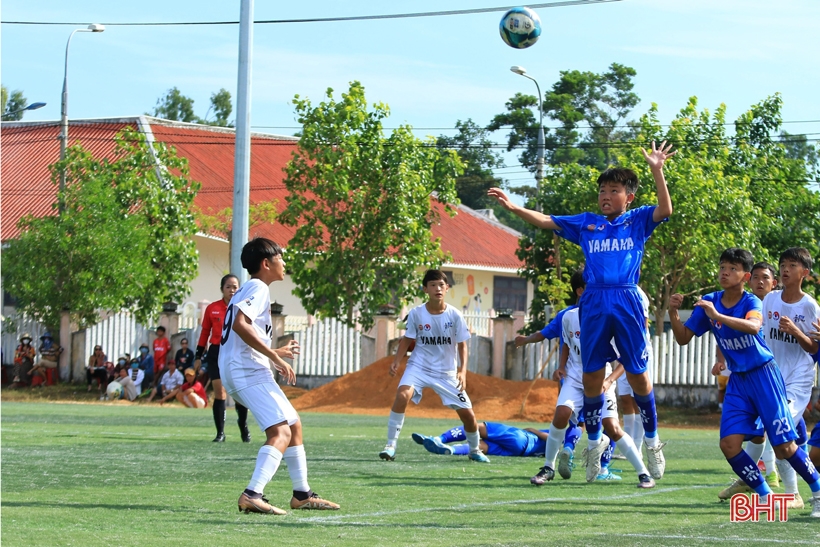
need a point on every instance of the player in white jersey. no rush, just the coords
(440, 336)
(244, 365)
(787, 321)
(570, 403)
(633, 425)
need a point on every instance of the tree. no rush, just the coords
(362, 204)
(13, 104)
(601, 101)
(175, 106)
(178, 107)
(123, 241)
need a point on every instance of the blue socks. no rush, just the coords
(461, 449)
(453, 435)
(572, 436)
(593, 409)
(746, 469)
(802, 464)
(802, 434)
(649, 415)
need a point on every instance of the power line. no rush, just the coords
(329, 19)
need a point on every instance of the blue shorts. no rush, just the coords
(615, 311)
(503, 440)
(814, 440)
(757, 393)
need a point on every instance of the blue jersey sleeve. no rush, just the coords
(569, 227)
(698, 322)
(554, 328)
(647, 220)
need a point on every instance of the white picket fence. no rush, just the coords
(118, 334)
(14, 327)
(479, 322)
(328, 348)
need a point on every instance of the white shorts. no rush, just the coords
(269, 404)
(572, 396)
(798, 401)
(445, 386)
(192, 400)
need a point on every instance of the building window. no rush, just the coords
(509, 293)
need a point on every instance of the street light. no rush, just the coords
(32, 106)
(94, 27)
(539, 165)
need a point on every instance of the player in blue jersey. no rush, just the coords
(756, 388)
(613, 246)
(497, 439)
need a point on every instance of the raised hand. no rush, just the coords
(501, 197)
(659, 155)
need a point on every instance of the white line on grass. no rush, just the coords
(332, 519)
(733, 539)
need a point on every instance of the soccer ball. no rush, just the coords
(520, 28)
(114, 390)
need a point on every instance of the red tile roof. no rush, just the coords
(28, 148)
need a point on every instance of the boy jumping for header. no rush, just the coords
(441, 335)
(613, 246)
(756, 387)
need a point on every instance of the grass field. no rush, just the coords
(93, 474)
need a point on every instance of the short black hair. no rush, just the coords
(433, 275)
(736, 255)
(225, 279)
(798, 254)
(257, 250)
(161, 328)
(620, 175)
(765, 266)
(576, 281)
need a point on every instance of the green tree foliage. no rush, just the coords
(178, 107)
(591, 109)
(124, 240)
(13, 102)
(728, 189)
(220, 223)
(362, 204)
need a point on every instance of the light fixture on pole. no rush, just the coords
(539, 165)
(32, 106)
(94, 27)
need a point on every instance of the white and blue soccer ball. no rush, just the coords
(520, 28)
(114, 390)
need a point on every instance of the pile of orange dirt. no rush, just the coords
(372, 391)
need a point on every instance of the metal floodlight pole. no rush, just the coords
(32, 106)
(242, 157)
(64, 104)
(539, 166)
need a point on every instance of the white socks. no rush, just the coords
(472, 439)
(555, 441)
(267, 462)
(627, 447)
(394, 425)
(297, 467)
(768, 457)
(788, 475)
(755, 451)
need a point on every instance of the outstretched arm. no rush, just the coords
(656, 160)
(528, 215)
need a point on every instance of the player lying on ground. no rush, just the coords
(440, 335)
(756, 388)
(244, 366)
(613, 246)
(499, 439)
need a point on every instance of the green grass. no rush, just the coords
(106, 475)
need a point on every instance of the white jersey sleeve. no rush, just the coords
(437, 337)
(796, 365)
(411, 331)
(572, 338)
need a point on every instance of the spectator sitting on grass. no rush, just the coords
(129, 388)
(168, 383)
(184, 357)
(137, 375)
(49, 351)
(191, 393)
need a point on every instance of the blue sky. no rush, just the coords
(430, 71)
